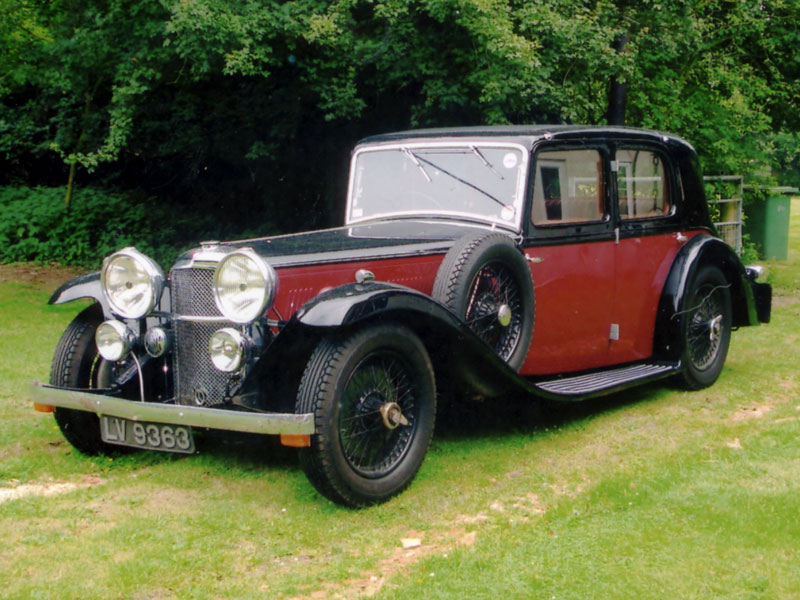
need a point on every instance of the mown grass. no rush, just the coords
(655, 493)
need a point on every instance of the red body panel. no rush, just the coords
(574, 290)
(580, 290)
(642, 266)
(297, 285)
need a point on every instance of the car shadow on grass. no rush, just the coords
(464, 419)
(468, 418)
(246, 450)
(226, 451)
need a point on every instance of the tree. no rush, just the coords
(241, 105)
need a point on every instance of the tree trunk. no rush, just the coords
(70, 185)
(617, 93)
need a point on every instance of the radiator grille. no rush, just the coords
(197, 382)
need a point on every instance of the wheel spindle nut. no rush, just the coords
(392, 415)
(504, 315)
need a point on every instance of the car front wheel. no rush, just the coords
(76, 364)
(374, 402)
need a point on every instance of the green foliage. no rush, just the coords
(35, 226)
(786, 150)
(253, 103)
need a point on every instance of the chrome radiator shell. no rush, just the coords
(197, 381)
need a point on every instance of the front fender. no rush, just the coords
(700, 250)
(83, 286)
(352, 303)
(457, 352)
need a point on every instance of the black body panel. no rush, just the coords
(384, 239)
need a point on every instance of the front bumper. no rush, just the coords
(191, 416)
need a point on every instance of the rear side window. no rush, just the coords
(641, 185)
(569, 187)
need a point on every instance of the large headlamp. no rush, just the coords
(132, 283)
(244, 286)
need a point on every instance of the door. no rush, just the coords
(645, 188)
(571, 253)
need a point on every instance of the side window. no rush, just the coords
(641, 184)
(568, 187)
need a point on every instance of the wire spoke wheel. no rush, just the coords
(371, 444)
(373, 396)
(494, 308)
(705, 328)
(485, 280)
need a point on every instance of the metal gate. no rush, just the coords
(728, 202)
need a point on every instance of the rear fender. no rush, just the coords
(700, 250)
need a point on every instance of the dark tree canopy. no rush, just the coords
(254, 106)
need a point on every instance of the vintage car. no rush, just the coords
(561, 262)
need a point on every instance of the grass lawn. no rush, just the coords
(654, 493)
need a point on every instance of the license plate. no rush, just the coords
(151, 436)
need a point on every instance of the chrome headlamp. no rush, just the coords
(114, 340)
(229, 349)
(132, 283)
(244, 286)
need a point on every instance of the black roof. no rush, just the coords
(530, 134)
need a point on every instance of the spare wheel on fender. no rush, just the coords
(484, 279)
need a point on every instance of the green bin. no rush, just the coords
(767, 223)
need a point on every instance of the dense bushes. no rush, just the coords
(36, 226)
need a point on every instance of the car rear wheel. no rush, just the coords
(706, 328)
(485, 280)
(76, 364)
(374, 402)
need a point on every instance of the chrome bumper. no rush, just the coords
(192, 416)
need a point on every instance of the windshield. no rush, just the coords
(473, 180)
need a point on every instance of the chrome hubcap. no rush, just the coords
(392, 415)
(715, 328)
(504, 315)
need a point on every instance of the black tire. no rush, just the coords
(479, 276)
(347, 383)
(706, 329)
(76, 364)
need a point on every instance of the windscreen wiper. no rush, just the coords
(415, 159)
(459, 179)
(480, 155)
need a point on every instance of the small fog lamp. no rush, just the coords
(114, 340)
(229, 349)
(157, 341)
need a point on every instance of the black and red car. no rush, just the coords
(560, 262)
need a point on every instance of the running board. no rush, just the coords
(605, 382)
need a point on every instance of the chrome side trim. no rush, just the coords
(192, 416)
(754, 271)
(192, 318)
(199, 319)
